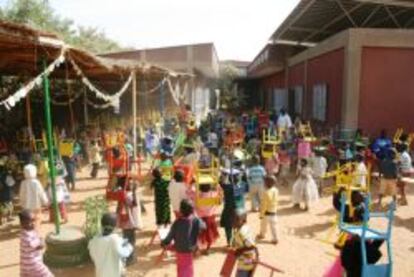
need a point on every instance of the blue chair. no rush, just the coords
(365, 233)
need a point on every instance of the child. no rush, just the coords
(208, 216)
(205, 158)
(303, 148)
(95, 159)
(32, 194)
(184, 233)
(406, 170)
(255, 179)
(268, 209)
(233, 190)
(177, 191)
(245, 248)
(305, 189)
(361, 172)
(213, 142)
(31, 245)
(389, 175)
(272, 165)
(7, 183)
(162, 199)
(319, 168)
(130, 223)
(62, 195)
(109, 250)
(285, 161)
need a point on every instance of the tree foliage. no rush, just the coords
(39, 14)
(230, 97)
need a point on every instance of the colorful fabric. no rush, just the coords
(31, 262)
(185, 265)
(162, 202)
(243, 237)
(209, 235)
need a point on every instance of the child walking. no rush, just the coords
(255, 179)
(32, 195)
(62, 195)
(285, 162)
(184, 232)
(389, 176)
(245, 248)
(233, 191)
(108, 250)
(96, 159)
(268, 209)
(162, 199)
(31, 245)
(319, 168)
(304, 189)
(131, 223)
(177, 191)
(208, 216)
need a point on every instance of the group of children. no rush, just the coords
(195, 225)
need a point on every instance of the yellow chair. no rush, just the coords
(269, 144)
(305, 129)
(208, 176)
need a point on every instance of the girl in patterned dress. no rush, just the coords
(162, 199)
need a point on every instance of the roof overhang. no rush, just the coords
(313, 21)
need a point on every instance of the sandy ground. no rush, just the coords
(300, 252)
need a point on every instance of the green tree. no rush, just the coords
(230, 97)
(39, 14)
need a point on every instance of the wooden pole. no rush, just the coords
(134, 113)
(85, 107)
(31, 141)
(50, 147)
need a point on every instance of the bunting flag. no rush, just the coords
(106, 97)
(13, 99)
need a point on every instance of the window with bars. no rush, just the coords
(320, 100)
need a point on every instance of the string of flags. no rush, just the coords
(113, 100)
(107, 98)
(13, 99)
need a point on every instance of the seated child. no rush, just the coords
(245, 248)
(108, 250)
(162, 199)
(208, 215)
(184, 232)
(31, 258)
(268, 209)
(304, 189)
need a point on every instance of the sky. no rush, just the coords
(238, 28)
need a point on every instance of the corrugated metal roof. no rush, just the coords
(316, 20)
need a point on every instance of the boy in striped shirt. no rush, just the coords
(31, 245)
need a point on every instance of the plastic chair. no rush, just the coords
(365, 233)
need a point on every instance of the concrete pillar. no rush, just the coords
(351, 81)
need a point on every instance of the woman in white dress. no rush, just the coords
(304, 189)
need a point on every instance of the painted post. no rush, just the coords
(134, 113)
(50, 144)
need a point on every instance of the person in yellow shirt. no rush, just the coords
(268, 209)
(244, 246)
